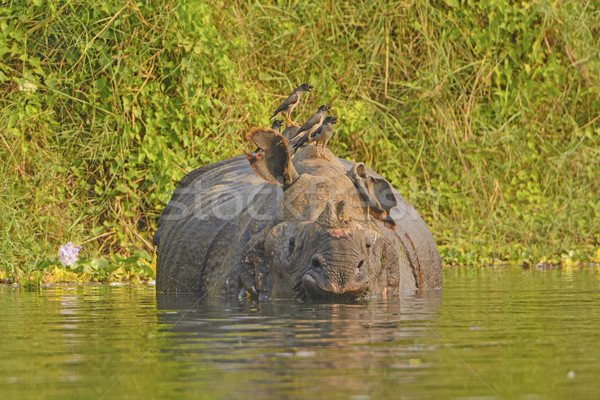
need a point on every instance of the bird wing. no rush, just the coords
(312, 121)
(292, 98)
(317, 131)
(303, 139)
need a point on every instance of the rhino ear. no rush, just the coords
(272, 159)
(359, 170)
(376, 193)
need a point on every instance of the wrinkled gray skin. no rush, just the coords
(329, 229)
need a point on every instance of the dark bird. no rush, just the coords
(278, 123)
(291, 102)
(312, 123)
(321, 134)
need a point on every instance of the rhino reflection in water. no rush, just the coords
(314, 228)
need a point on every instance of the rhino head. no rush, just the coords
(333, 237)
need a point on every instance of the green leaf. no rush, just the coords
(99, 263)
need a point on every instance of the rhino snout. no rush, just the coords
(323, 280)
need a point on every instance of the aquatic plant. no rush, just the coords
(68, 254)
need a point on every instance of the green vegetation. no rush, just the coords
(484, 114)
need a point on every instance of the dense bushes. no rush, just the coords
(484, 114)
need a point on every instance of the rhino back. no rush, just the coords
(203, 231)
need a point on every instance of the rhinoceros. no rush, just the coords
(267, 226)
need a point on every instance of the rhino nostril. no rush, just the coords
(316, 263)
(360, 264)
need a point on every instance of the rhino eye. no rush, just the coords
(291, 245)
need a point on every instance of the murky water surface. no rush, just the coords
(491, 333)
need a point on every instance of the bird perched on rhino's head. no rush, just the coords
(312, 123)
(291, 102)
(320, 135)
(278, 123)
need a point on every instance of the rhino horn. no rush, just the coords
(334, 216)
(272, 160)
(328, 216)
(343, 215)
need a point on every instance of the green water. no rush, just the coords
(491, 333)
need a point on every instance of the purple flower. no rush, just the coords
(68, 254)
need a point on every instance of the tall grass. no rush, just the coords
(485, 115)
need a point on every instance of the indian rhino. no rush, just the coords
(308, 229)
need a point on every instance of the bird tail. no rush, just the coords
(273, 117)
(296, 147)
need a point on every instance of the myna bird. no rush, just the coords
(312, 123)
(291, 102)
(278, 123)
(321, 134)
